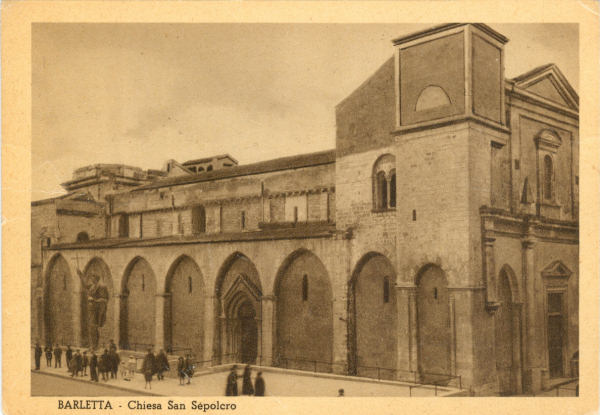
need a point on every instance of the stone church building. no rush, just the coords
(438, 239)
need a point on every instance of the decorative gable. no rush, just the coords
(549, 83)
(557, 271)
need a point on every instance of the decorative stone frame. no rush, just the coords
(547, 142)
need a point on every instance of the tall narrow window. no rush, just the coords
(548, 171)
(190, 285)
(386, 290)
(143, 282)
(393, 189)
(124, 226)
(198, 220)
(305, 288)
(295, 214)
(243, 219)
(64, 282)
(382, 202)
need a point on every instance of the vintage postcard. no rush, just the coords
(283, 207)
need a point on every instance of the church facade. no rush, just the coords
(438, 240)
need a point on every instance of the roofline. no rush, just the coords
(541, 69)
(237, 171)
(218, 157)
(441, 28)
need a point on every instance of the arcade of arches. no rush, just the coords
(303, 325)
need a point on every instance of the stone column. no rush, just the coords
(532, 381)
(403, 339)
(452, 308)
(268, 329)
(412, 332)
(516, 347)
(159, 328)
(491, 299)
(340, 334)
(116, 334)
(209, 327)
(76, 317)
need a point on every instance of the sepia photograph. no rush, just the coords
(304, 210)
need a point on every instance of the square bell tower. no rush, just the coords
(448, 74)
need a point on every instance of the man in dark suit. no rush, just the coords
(94, 367)
(259, 385)
(57, 356)
(69, 357)
(38, 356)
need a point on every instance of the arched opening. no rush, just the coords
(432, 97)
(372, 325)
(138, 306)
(97, 267)
(384, 183)
(60, 294)
(82, 237)
(184, 313)
(433, 323)
(304, 314)
(507, 335)
(237, 290)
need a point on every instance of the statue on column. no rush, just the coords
(97, 297)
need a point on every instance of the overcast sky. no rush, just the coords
(141, 94)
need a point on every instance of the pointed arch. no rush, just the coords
(184, 308)
(236, 336)
(61, 300)
(304, 313)
(98, 266)
(138, 305)
(372, 317)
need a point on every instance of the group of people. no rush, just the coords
(247, 388)
(107, 364)
(155, 365)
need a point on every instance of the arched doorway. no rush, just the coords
(60, 293)
(507, 335)
(98, 267)
(304, 313)
(238, 293)
(184, 315)
(138, 306)
(373, 318)
(433, 323)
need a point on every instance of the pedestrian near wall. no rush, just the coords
(181, 370)
(232, 388)
(247, 388)
(85, 361)
(148, 368)
(259, 385)
(103, 365)
(189, 368)
(162, 363)
(94, 367)
(57, 356)
(48, 351)
(69, 357)
(38, 356)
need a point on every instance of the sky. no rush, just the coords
(141, 94)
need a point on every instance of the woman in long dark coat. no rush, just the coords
(259, 385)
(247, 388)
(149, 368)
(94, 367)
(232, 389)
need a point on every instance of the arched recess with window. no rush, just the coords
(384, 183)
(97, 266)
(373, 318)
(184, 313)
(433, 323)
(138, 306)
(60, 292)
(82, 237)
(304, 313)
(547, 142)
(508, 333)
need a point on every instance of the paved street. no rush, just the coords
(47, 385)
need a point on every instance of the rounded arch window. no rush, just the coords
(432, 97)
(384, 183)
(83, 237)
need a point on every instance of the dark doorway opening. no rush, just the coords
(555, 334)
(249, 333)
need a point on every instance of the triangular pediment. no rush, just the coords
(557, 269)
(549, 83)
